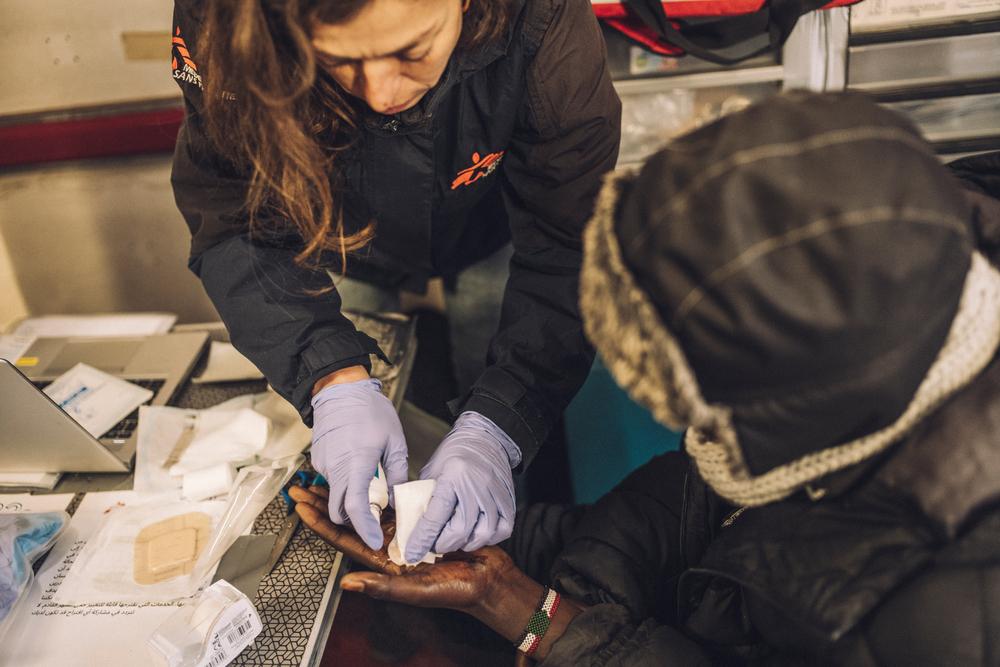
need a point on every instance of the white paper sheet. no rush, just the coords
(110, 634)
(226, 364)
(13, 347)
(20, 503)
(30, 480)
(111, 325)
(95, 399)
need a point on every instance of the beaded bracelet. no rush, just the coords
(539, 622)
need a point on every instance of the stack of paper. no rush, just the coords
(29, 480)
(111, 325)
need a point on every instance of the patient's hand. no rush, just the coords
(484, 583)
(460, 581)
(312, 506)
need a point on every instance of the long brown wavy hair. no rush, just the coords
(271, 110)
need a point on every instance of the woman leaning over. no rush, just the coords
(395, 141)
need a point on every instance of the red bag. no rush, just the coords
(720, 31)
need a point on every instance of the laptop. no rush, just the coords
(36, 435)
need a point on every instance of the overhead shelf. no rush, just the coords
(734, 77)
(924, 63)
(878, 20)
(954, 119)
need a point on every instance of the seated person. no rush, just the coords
(806, 290)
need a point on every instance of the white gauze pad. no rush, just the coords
(209, 482)
(411, 503)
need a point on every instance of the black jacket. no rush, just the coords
(897, 564)
(509, 146)
(868, 579)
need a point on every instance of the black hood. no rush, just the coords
(808, 254)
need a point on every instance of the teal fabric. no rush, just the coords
(609, 436)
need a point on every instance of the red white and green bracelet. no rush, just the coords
(539, 622)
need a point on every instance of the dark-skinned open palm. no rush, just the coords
(459, 581)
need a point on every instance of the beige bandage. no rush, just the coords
(170, 548)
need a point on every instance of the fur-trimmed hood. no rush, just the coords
(798, 283)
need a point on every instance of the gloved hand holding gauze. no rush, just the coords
(473, 502)
(355, 427)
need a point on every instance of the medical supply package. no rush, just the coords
(197, 452)
(143, 552)
(24, 538)
(209, 632)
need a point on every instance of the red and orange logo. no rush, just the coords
(182, 49)
(184, 69)
(481, 166)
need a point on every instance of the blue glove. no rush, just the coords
(473, 501)
(354, 428)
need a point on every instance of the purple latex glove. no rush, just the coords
(473, 501)
(354, 428)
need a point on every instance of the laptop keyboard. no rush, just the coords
(124, 429)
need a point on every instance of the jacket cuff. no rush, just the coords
(499, 397)
(605, 634)
(588, 635)
(332, 353)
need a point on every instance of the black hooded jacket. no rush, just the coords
(509, 146)
(891, 561)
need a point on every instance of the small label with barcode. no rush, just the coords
(238, 634)
(235, 629)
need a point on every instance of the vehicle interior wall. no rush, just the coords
(101, 234)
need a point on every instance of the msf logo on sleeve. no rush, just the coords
(482, 166)
(182, 64)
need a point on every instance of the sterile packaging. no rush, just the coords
(255, 487)
(143, 552)
(209, 632)
(95, 399)
(24, 538)
(164, 430)
(223, 437)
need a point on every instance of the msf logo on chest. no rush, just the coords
(482, 166)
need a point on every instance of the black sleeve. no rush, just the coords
(566, 140)
(623, 560)
(980, 176)
(979, 172)
(606, 635)
(266, 301)
(626, 548)
(947, 616)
